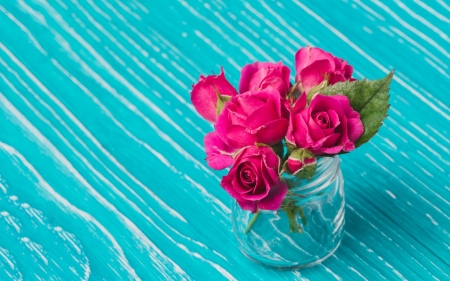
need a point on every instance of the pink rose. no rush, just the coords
(313, 65)
(219, 155)
(253, 180)
(255, 116)
(296, 165)
(328, 126)
(260, 75)
(204, 94)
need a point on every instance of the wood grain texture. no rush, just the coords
(102, 174)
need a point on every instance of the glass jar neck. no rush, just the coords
(327, 170)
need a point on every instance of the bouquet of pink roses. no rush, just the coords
(273, 127)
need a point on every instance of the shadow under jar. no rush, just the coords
(306, 229)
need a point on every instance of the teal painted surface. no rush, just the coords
(101, 167)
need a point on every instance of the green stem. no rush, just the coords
(252, 222)
(301, 213)
(294, 227)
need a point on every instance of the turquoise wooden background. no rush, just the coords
(102, 174)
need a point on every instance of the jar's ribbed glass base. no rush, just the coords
(303, 238)
(292, 266)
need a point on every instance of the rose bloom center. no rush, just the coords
(248, 177)
(322, 120)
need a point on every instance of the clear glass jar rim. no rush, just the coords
(327, 170)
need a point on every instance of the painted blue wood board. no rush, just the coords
(102, 174)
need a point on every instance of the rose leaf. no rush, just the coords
(368, 97)
(221, 101)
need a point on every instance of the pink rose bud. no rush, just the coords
(253, 179)
(302, 163)
(210, 93)
(328, 126)
(295, 165)
(253, 117)
(219, 155)
(313, 65)
(261, 75)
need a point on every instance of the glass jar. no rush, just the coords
(305, 233)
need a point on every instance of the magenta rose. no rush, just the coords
(219, 154)
(328, 126)
(253, 180)
(260, 75)
(255, 116)
(204, 94)
(295, 165)
(312, 65)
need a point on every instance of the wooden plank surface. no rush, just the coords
(102, 174)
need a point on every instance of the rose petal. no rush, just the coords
(300, 103)
(272, 160)
(222, 85)
(270, 171)
(247, 73)
(248, 177)
(223, 120)
(238, 136)
(331, 140)
(266, 113)
(204, 99)
(334, 118)
(290, 131)
(257, 78)
(324, 143)
(324, 103)
(273, 132)
(294, 164)
(300, 133)
(339, 63)
(331, 150)
(278, 78)
(306, 56)
(322, 120)
(239, 187)
(227, 185)
(346, 107)
(314, 130)
(313, 74)
(355, 129)
(204, 95)
(254, 163)
(348, 71)
(219, 155)
(219, 161)
(261, 75)
(349, 146)
(335, 77)
(248, 205)
(236, 118)
(275, 197)
(258, 193)
(248, 104)
(276, 83)
(261, 189)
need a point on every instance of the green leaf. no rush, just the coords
(369, 98)
(316, 89)
(292, 90)
(294, 227)
(307, 172)
(301, 213)
(278, 148)
(301, 155)
(290, 147)
(221, 101)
